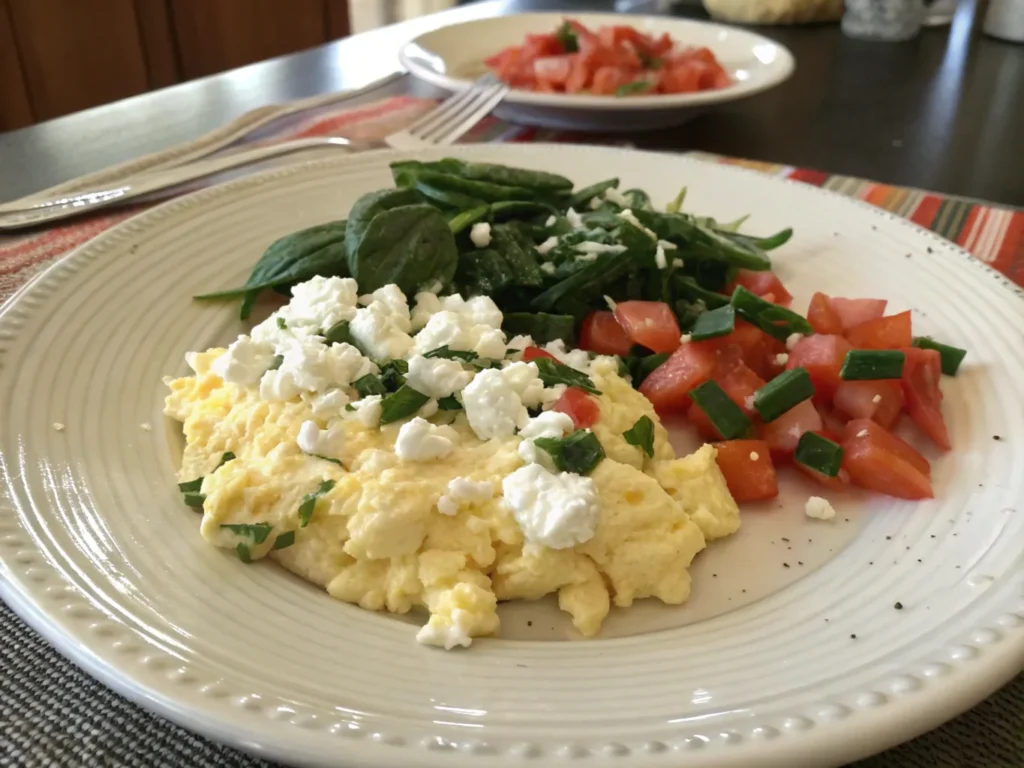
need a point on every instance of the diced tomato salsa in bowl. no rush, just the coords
(611, 61)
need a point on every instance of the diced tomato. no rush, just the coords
(580, 406)
(833, 421)
(580, 75)
(853, 312)
(554, 69)
(887, 441)
(668, 386)
(708, 431)
(601, 333)
(532, 353)
(822, 355)
(758, 348)
(608, 79)
(880, 400)
(539, 46)
(822, 317)
(784, 433)
(712, 76)
(748, 470)
(890, 332)
(661, 46)
(650, 324)
(873, 467)
(920, 381)
(762, 284)
(681, 78)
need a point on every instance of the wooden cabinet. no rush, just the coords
(60, 56)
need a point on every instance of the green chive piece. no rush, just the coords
(641, 435)
(258, 532)
(228, 456)
(191, 486)
(452, 354)
(398, 405)
(552, 372)
(194, 499)
(774, 320)
(783, 392)
(243, 553)
(276, 362)
(869, 364)
(450, 403)
(579, 452)
(326, 458)
(951, 356)
(727, 417)
(284, 540)
(339, 333)
(819, 453)
(282, 324)
(309, 502)
(717, 322)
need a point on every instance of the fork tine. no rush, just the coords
(469, 119)
(451, 106)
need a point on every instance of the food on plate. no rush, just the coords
(440, 469)
(460, 402)
(613, 61)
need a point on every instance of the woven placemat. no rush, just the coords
(53, 714)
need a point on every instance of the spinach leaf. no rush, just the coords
(552, 372)
(368, 206)
(409, 245)
(519, 253)
(689, 288)
(308, 504)
(540, 326)
(466, 219)
(398, 405)
(449, 198)
(243, 553)
(339, 333)
(634, 88)
(641, 435)
(406, 171)
(482, 272)
(449, 403)
(284, 540)
(510, 209)
(581, 198)
(638, 200)
(580, 451)
(452, 354)
(481, 190)
(567, 38)
(258, 532)
(369, 385)
(392, 374)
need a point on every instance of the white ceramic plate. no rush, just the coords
(760, 668)
(452, 57)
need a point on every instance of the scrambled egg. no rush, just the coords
(377, 539)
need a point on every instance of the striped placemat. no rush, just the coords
(994, 234)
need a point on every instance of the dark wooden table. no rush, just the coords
(944, 111)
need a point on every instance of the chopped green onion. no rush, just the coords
(579, 452)
(782, 393)
(191, 486)
(398, 405)
(451, 354)
(326, 458)
(194, 499)
(339, 333)
(727, 417)
(243, 553)
(368, 385)
(449, 403)
(641, 435)
(870, 364)
(717, 322)
(677, 204)
(284, 540)
(774, 320)
(552, 372)
(258, 532)
(309, 502)
(637, 86)
(282, 324)
(951, 356)
(819, 453)
(641, 367)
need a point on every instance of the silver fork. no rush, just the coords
(441, 126)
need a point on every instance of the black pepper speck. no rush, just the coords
(888, 538)
(529, 623)
(929, 249)
(996, 437)
(853, 637)
(785, 565)
(898, 606)
(785, 539)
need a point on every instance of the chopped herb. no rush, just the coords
(727, 417)
(339, 333)
(951, 356)
(284, 540)
(782, 393)
(228, 456)
(567, 37)
(194, 499)
(349, 407)
(716, 322)
(484, 363)
(450, 403)
(580, 451)
(191, 485)
(282, 324)
(871, 364)
(819, 454)
(367, 385)
(402, 403)
(258, 532)
(392, 374)
(553, 372)
(641, 435)
(636, 87)
(452, 354)
(276, 362)
(309, 502)
(327, 458)
(774, 320)
(243, 553)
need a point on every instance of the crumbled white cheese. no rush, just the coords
(428, 409)
(427, 304)
(668, 245)
(553, 424)
(586, 258)
(391, 296)
(876, 399)
(365, 411)
(553, 510)
(819, 508)
(322, 442)
(315, 306)
(574, 358)
(58, 426)
(610, 303)
(419, 440)
(677, 263)
(492, 405)
(629, 216)
(595, 203)
(754, 456)
(382, 329)
(782, 358)
(330, 403)
(146, 426)
(862, 433)
(550, 221)
(517, 344)
(685, 338)
(595, 248)
(544, 248)
(447, 634)
(473, 325)
(436, 376)
(574, 219)
(462, 491)
(190, 360)
(659, 258)
(480, 234)
(308, 365)
(548, 268)
(479, 310)
(792, 340)
(244, 362)
(614, 196)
